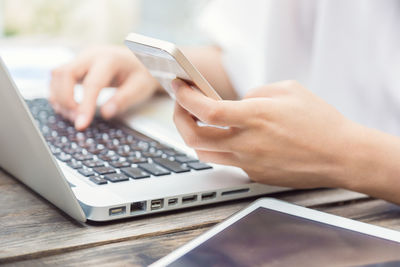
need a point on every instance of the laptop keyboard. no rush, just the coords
(108, 152)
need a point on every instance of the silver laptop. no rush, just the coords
(109, 171)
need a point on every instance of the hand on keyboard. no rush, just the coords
(110, 66)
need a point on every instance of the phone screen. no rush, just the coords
(270, 238)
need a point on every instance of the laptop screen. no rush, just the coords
(267, 237)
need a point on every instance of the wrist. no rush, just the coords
(355, 157)
(370, 163)
(343, 155)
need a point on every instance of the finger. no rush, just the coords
(65, 112)
(202, 138)
(223, 158)
(135, 90)
(62, 86)
(63, 81)
(98, 77)
(209, 111)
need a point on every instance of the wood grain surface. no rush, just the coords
(33, 232)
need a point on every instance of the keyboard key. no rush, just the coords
(173, 153)
(93, 163)
(64, 157)
(136, 160)
(50, 139)
(144, 145)
(97, 180)
(199, 166)
(127, 140)
(171, 165)
(109, 157)
(120, 164)
(116, 177)
(85, 172)
(82, 157)
(152, 154)
(85, 145)
(135, 173)
(185, 159)
(60, 144)
(136, 147)
(75, 164)
(104, 170)
(126, 154)
(55, 150)
(112, 146)
(72, 150)
(154, 169)
(96, 149)
(160, 146)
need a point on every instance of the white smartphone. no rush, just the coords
(166, 63)
(275, 233)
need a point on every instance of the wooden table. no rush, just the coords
(33, 232)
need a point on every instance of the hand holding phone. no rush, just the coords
(166, 63)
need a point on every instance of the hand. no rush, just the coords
(280, 134)
(95, 69)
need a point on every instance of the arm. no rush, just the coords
(282, 134)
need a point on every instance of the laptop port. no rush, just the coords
(172, 201)
(188, 199)
(138, 206)
(157, 204)
(236, 191)
(208, 196)
(117, 211)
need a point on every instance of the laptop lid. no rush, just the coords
(24, 152)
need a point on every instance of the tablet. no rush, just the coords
(274, 233)
(166, 62)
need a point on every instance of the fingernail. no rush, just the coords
(109, 110)
(80, 121)
(176, 84)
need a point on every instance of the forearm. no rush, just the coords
(208, 61)
(372, 164)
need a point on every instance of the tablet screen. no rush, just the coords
(267, 237)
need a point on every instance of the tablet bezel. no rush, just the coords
(291, 209)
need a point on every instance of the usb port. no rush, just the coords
(236, 191)
(188, 199)
(117, 211)
(138, 206)
(157, 204)
(172, 201)
(208, 196)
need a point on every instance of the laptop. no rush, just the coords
(109, 171)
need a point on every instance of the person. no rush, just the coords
(341, 131)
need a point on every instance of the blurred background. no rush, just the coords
(38, 35)
(78, 23)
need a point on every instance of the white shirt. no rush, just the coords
(345, 51)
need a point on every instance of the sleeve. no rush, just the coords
(237, 28)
